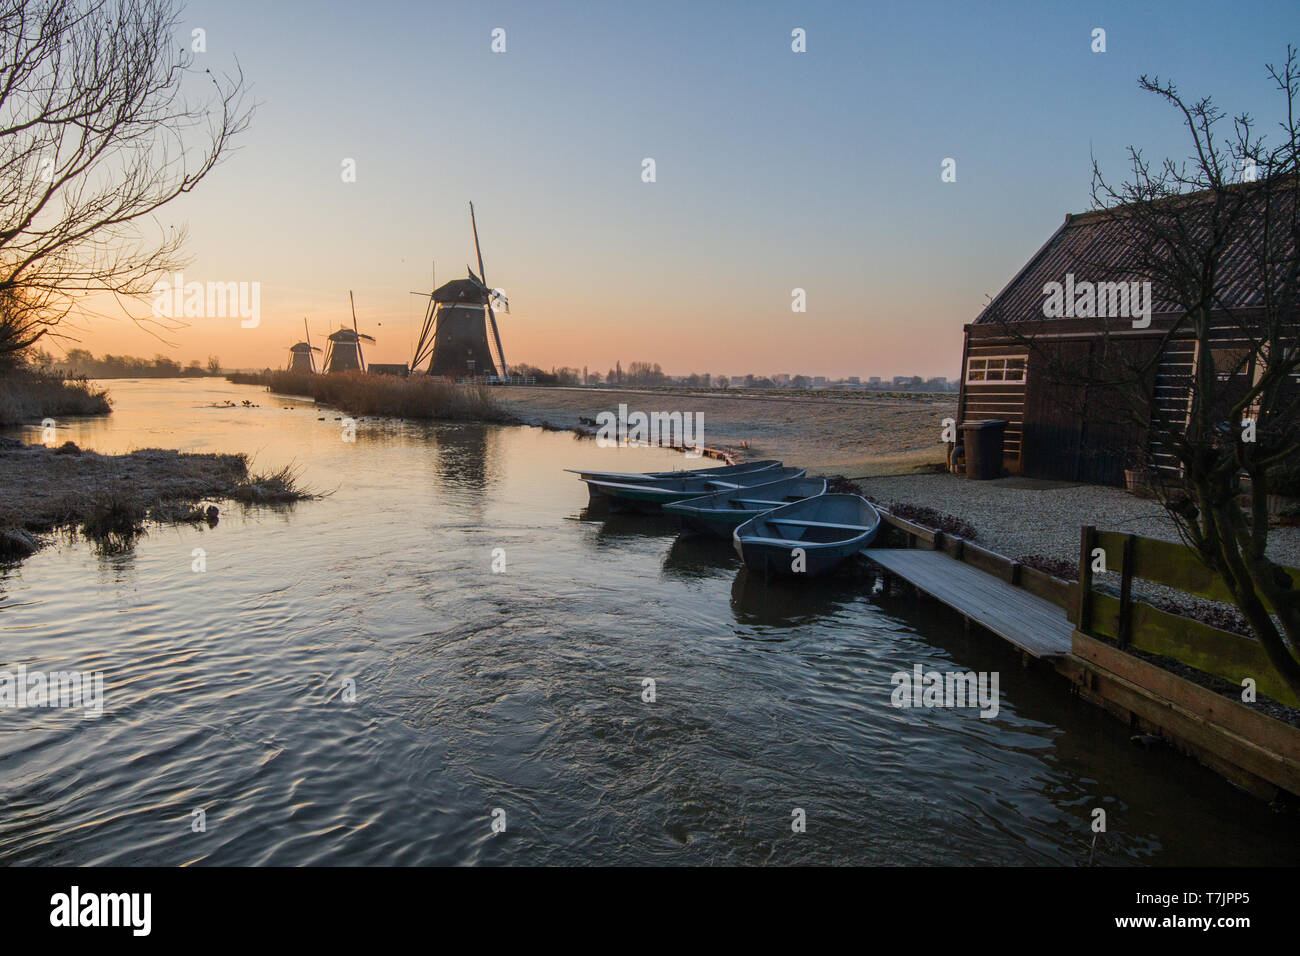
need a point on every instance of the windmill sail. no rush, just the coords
(496, 337)
(344, 350)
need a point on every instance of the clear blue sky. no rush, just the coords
(775, 170)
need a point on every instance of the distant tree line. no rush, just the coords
(80, 363)
(650, 374)
(637, 373)
(556, 376)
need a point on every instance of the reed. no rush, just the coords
(28, 396)
(420, 397)
(276, 487)
(112, 499)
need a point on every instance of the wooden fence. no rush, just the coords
(1133, 623)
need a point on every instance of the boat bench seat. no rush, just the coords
(784, 542)
(797, 523)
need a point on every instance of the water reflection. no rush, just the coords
(464, 458)
(612, 528)
(698, 556)
(781, 602)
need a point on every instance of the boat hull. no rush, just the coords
(769, 558)
(649, 478)
(807, 538)
(652, 496)
(721, 513)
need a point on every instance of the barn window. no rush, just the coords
(995, 368)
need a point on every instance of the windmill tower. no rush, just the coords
(300, 357)
(344, 351)
(454, 338)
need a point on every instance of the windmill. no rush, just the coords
(344, 350)
(300, 357)
(454, 336)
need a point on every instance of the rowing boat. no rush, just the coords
(645, 477)
(653, 495)
(720, 512)
(808, 537)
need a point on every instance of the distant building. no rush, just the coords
(819, 381)
(854, 380)
(738, 380)
(874, 381)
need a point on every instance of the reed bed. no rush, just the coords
(419, 397)
(110, 499)
(28, 396)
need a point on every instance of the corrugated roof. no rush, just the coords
(1098, 247)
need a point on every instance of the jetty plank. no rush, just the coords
(1033, 624)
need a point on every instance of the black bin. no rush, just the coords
(983, 441)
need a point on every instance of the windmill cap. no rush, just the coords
(460, 290)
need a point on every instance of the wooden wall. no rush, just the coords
(1006, 400)
(1065, 422)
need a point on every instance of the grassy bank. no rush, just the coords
(109, 499)
(357, 393)
(26, 397)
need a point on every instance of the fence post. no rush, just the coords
(1124, 625)
(1083, 615)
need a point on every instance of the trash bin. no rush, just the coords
(983, 441)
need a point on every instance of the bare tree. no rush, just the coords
(1217, 235)
(104, 119)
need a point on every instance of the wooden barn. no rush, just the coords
(1075, 427)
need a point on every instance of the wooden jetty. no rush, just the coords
(1085, 636)
(1035, 625)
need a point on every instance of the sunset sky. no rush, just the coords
(775, 169)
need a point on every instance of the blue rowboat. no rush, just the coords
(721, 512)
(653, 495)
(647, 477)
(808, 537)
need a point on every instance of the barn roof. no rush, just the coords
(1097, 247)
